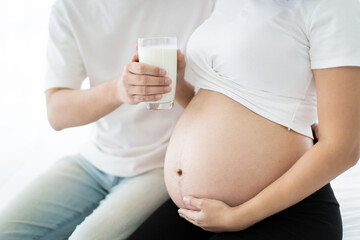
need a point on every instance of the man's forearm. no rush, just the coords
(70, 108)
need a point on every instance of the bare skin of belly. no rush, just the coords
(222, 150)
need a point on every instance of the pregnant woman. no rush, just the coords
(241, 163)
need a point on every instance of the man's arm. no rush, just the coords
(138, 83)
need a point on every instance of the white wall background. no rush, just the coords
(28, 145)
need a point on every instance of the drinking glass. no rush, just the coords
(160, 52)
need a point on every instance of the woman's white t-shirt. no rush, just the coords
(96, 39)
(261, 53)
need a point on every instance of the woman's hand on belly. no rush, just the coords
(210, 214)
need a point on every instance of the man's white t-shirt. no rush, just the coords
(96, 39)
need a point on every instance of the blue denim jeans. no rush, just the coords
(75, 200)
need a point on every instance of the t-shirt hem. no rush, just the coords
(59, 83)
(331, 63)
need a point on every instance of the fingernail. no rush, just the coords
(158, 96)
(186, 199)
(167, 80)
(162, 72)
(167, 89)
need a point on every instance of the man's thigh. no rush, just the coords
(52, 205)
(125, 208)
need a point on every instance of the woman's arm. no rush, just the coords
(338, 149)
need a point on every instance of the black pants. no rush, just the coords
(315, 218)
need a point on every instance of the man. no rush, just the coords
(116, 180)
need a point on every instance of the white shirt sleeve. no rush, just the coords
(334, 34)
(65, 66)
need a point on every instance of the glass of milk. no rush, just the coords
(160, 52)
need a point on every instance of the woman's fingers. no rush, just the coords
(194, 202)
(190, 214)
(188, 219)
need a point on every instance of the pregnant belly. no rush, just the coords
(221, 150)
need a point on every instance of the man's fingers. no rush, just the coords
(148, 90)
(146, 80)
(145, 69)
(150, 98)
(135, 58)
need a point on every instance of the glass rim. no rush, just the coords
(156, 38)
(157, 41)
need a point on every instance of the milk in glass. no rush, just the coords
(160, 52)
